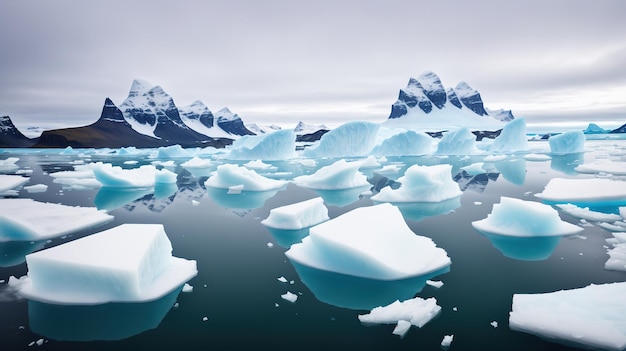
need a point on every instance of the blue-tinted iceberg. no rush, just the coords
(339, 175)
(279, 145)
(128, 263)
(369, 242)
(229, 175)
(512, 139)
(457, 142)
(350, 139)
(591, 317)
(560, 190)
(408, 143)
(297, 216)
(422, 184)
(567, 143)
(116, 177)
(173, 151)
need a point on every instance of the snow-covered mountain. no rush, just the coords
(231, 122)
(304, 128)
(10, 136)
(426, 105)
(199, 118)
(257, 129)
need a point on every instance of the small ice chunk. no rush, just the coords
(455, 309)
(187, 288)
(8, 182)
(195, 202)
(447, 341)
(494, 324)
(297, 216)
(228, 175)
(422, 184)
(39, 342)
(339, 175)
(520, 218)
(270, 245)
(435, 283)
(402, 328)
(289, 296)
(477, 203)
(235, 189)
(567, 143)
(36, 188)
(131, 162)
(369, 162)
(204, 319)
(587, 214)
(416, 311)
(258, 165)
(282, 279)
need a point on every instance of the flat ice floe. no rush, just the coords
(229, 175)
(603, 166)
(593, 316)
(583, 190)
(339, 175)
(520, 218)
(128, 263)
(422, 184)
(369, 242)
(116, 177)
(416, 311)
(297, 216)
(9, 182)
(29, 220)
(587, 214)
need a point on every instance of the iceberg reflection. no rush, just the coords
(342, 197)
(417, 211)
(111, 198)
(524, 249)
(246, 200)
(567, 163)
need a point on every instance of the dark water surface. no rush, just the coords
(236, 303)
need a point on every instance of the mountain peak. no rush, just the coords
(470, 98)
(139, 87)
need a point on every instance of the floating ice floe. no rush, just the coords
(537, 157)
(278, 145)
(559, 190)
(512, 139)
(407, 143)
(416, 311)
(128, 263)
(617, 254)
(29, 220)
(369, 242)
(355, 138)
(339, 175)
(603, 166)
(228, 175)
(457, 142)
(8, 165)
(567, 143)
(587, 214)
(520, 218)
(289, 296)
(297, 216)
(197, 163)
(82, 177)
(591, 317)
(422, 184)
(116, 177)
(258, 165)
(447, 341)
(9, 182)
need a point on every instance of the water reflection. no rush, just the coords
(111, 321)
(111, 198)
(287, 237)
(524, 249)
(567, 163)
(513, 170)
(359, 293)
(417, 211)
(342, 197)
(475, 182)
(246, 200)
(164, 190)
(13, 253)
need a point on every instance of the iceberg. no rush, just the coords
(355, 138)
(369, 242)
(127, 263)
(9, 182)
(408, 143)
(577, 191)
(512, 139)
(198, 167)
(258, 165)
(416, 311)
(457, 142)
(587, 214)
(82, 177)
(116, 177)
(520, 218)
(567, 143)
(339, 175)
(298, 216)
(173, 151)
(591, 317)
(422, 184)
(278, 145)
(228, 175)
(29, 220)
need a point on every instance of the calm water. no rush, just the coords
(237, 290)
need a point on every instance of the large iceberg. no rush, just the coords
(369, 242)
(457, 142)
(407, 143)
(559, 190)
(512, 139)
(416, 311)
(297, 216)
(567, 143)
(279, 145)
(350, 139)
(128, 263)
(228, 175)
(422, 184)
(339, 175)
(29, 220)
(592, 317)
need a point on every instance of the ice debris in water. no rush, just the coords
(435, 283)
(278, 145)
(289, 296)
(567, 143)
(447, 341)
(29, 220)
(355, 138)
(36, 188)
(297, 216)
(586, 213)
(369, 242)
(520, 218)
(422, 184)
(339, 175)
(416, 311)
(128, 263)
(228, 175)
(258, 165)
(583, 190)
(592, 317)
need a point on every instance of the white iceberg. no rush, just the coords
(422, 184)
(512, 139)
(457, 142)
(228, 175)
(116, 177)
(339, 175)
(297, 216)
(447, 341)
(9, 182)
(278, 145)
(586, 213)
(128, 263)
(603, 166)
(197, 163)
(258, 165)
(520, 218)
(369, 242)
(567, 143)
(36, 188)
(82, 177)
(355, 138)
(29, 220)
(592, 317)
(583, 190)
(408, 143)
(416, 311)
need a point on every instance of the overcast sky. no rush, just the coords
(316, 61)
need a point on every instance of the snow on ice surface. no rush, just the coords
(583, 190)
(228, 175)
(297, 216)
(197, 163)
(8, 182)
(349, 139)
(278, 145)
(603, 166)
(36, 188)
(173, 151)
(520, 218)
(457, 142)
(593, 316)
(422, 184)
(258, 164)
(131, 262)
(567, 143)
(116, 177)
(512, 138)
(447, 341)
(407, 143)
(359, 243)
(339, 175)
(416, 311)
(587, 214)
(29, 220)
